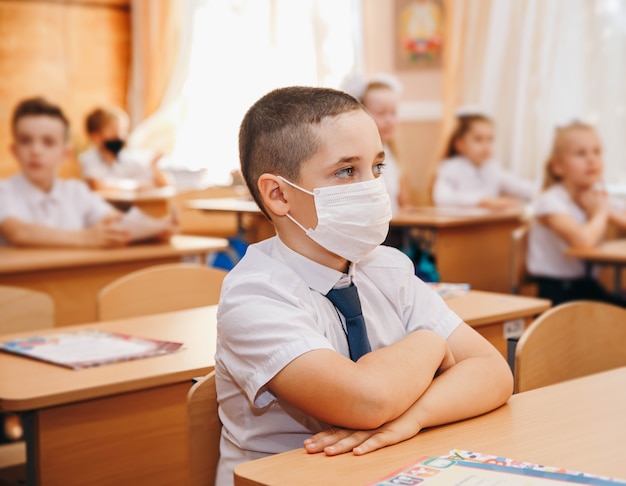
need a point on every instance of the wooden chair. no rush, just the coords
(161, 288)
(204, 431)
(24, 310)
(21, 310)
(569, 341)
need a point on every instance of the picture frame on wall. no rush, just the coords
(419, 28)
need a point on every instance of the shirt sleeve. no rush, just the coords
(89, 165)
(513, 185)
(448, 191)
(550, 203)
(95, 208)
(4, 203)
(261, 330)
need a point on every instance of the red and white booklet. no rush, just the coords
(87, 348)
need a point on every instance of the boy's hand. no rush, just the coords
(338, 441)
(107, 233)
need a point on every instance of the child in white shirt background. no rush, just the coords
(469, 176)
(107, 164)
(572, 211)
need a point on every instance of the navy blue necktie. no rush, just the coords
(346, 300)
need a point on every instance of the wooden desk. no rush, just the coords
(73, 277)
(260, 227)
(471, 245)
(488, 313)
(124, 423)
(610, 253)
(577, 425)
(154, 201)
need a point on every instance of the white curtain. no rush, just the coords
(536, 64)
(234, 51)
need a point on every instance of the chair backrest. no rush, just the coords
(24, 310)
(204, 431)
(518, 273)
(161, 288)
(569, 341)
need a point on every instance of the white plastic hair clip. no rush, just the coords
(355, 85)
(389, 80)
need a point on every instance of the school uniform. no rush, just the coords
(391, 174)
(461, 183)
(68, 205)
(273, 309)
(561, 278)
(130, 165)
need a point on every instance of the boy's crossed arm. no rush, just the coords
(103, 234)
(475, 379)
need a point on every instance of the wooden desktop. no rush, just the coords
(73, 277)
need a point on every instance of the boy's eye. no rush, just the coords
(345, 173)
(379, 168)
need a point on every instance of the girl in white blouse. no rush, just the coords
(572, 211)
(470, 177)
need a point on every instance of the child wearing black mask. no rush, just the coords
(106, 164)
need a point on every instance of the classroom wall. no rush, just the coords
(420, 107)
(76, 53)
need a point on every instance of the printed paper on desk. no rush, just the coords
(142, 226)
(88, 348)
(474, 469)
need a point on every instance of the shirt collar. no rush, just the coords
(35, 195)
(317, 276)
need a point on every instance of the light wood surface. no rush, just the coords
(73, 277)
(609, 252)
(154, 201)
(161, 288)
(251, 224)
(568, 341)
(124, 423)
(24, 310)
(576, 424)
(444, 217)
(204, 431)
(471, 245)
(488, 311)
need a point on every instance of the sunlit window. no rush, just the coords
(241, 49)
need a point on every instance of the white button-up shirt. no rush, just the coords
(132, 167)
(68, 205)
(273, 309)
(461, 183)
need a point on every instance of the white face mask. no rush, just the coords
(352, 219)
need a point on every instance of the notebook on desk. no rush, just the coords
(467, 468)
(87, 348)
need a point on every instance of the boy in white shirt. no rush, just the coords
(107, 165)
(37, 208)
(291, 370)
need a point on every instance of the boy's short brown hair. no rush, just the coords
(277, 133)
(97, 118)
(38, 106)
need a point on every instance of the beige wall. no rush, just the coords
(76, 54)
(422, 94)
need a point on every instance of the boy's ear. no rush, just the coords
(271, 191)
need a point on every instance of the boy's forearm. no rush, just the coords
(469, 388)
(19, 233)
(403, 371)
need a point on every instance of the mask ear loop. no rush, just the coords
(291, 218)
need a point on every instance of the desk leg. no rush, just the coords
(133, 438)
(28, 424)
